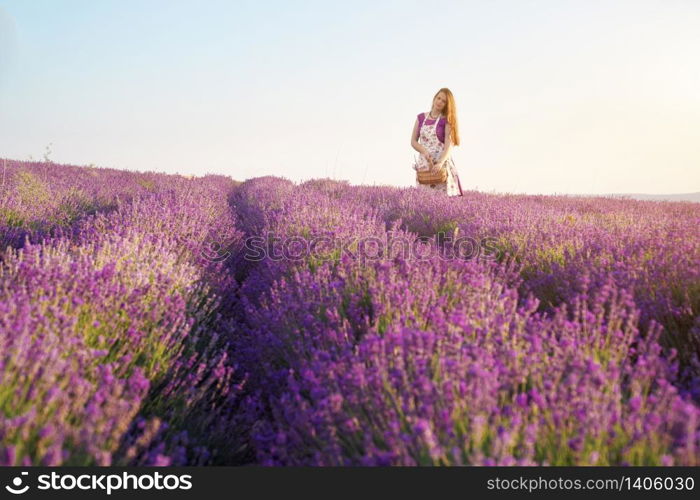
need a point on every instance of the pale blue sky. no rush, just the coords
(552, 96)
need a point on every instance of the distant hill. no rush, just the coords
(659, 197)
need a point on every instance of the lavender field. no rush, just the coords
(153, 319)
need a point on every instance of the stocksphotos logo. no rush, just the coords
(17, 487)
(105, 482)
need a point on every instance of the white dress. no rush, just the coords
(428, 138)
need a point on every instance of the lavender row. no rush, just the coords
(401, 361)
(39, 200)
(111, 350)
(565, 244)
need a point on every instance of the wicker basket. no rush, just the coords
(426, 175)
(432, 176)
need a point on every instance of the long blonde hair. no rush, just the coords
(451, 112)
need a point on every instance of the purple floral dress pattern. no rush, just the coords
(428, 138)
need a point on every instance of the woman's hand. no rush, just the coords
(437, 165)
(428, 159)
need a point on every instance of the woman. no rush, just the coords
(434, 134)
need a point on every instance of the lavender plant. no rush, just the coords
(153, 319)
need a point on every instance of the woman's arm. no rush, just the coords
(414, 142)
(448, 147)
